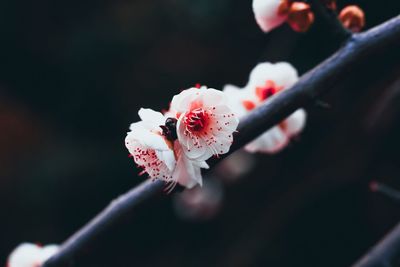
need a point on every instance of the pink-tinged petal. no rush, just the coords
(267, 14)
(150, 115)
(295, 123)
(269, 142)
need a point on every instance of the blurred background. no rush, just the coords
(73, 75)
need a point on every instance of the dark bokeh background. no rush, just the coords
(73, 75)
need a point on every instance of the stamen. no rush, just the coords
(196, 120)
(268, 90)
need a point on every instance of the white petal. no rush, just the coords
(152, 116)
(212, 97)
(30, 255)
(142, 135)
(187, 173)
(266, 14)
(281, 73)
(182, 101)
(168, 157)
(48, 251)
(271, 141)
(295, 123)
(201, 164)
(236, 96)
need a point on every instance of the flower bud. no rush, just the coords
(352, 18)
(300, 17)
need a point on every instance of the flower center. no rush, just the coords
(268, 90)
(196, 120)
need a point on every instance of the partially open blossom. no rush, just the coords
(352, 18)
(205, 122)
(265, 81)
(31, 255)
(158, 155)
(270, 14)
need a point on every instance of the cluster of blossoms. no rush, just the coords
(174, 146)
(31, 255)
(265, 81)
(200, 123)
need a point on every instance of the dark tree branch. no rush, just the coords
(385, 253)
(330, 20)
(382, 39)
(117, 210)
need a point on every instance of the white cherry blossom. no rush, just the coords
(205, 122)
(149, 148)
(160, 157)
(266, 80)
(30, 255)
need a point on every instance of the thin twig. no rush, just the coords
(385, 190)
(384, 38)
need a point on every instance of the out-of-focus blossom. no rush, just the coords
(300, 17)
(270, 14)
(352, 18)
(159, 156)
(266, 80)
(31, 255)
(199, 204)
(235, 166)
(205, 122)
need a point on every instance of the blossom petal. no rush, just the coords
(187, 172)
(30, 255)
(147, 114)
(212, 97)
(271, 141)
(295, 123)
(266, 14)
(281, 73)
(146, 137)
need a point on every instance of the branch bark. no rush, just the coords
(382, 39)
(329, 19)
(385, 253)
